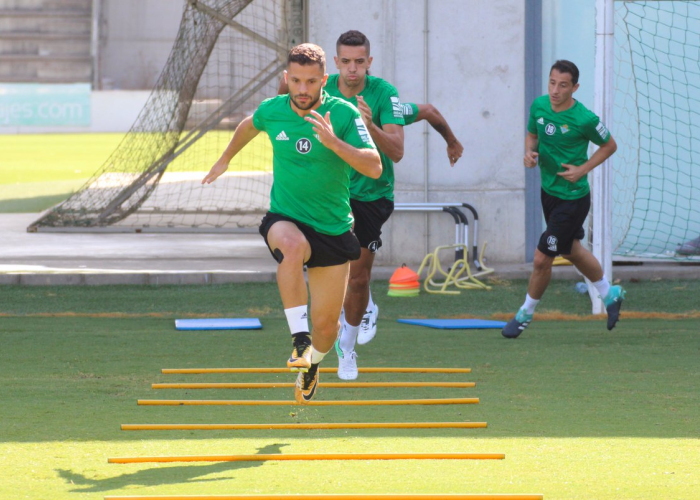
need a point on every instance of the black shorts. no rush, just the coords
(326, 250)
(370, 216)
(565, 220)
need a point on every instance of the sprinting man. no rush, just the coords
(317, 141)
(412, 113)
(371, 200)
(558, 134)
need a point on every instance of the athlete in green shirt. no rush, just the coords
(558, 133)
(372, 201)
(317, 141)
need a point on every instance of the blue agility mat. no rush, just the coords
(218, 324)
(454, 324)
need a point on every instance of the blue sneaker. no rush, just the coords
(516, 325)
(613, 303)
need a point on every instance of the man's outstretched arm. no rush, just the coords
(245, 132)
(437, 121)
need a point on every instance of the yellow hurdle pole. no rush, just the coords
(350, 425)
(332, 497)
(196, 371)
(336, 385)
(250, 402)
(310, 456)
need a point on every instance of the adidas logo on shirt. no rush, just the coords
(541, 121)
(282, 136)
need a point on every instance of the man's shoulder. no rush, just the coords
(585, 115)
(542, 103)
(274, 102)
(379, 85)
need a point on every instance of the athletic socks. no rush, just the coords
(297, 319)
(530, 304)
(370, 303)
(317, 356)
(603, 287)
(348, 337)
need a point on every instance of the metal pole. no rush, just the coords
(601, 195)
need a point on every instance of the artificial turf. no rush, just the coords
(580, 412)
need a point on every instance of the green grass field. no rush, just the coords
(579, 412)
(40, 171)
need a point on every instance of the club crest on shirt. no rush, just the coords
(564, 129)
(303, 145)
(550, 129)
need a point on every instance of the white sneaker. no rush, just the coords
(368, 326)
(347, 363)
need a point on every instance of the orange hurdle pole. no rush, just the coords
(333, 497)
(197, 371)
(355, 425)
(273, 385)
(252, 402)
(310, 456)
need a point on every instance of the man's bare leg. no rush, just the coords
(292, 249)
(612, 295)
(539, 281)
(327, 286)
(357, 298)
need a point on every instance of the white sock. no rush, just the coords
(530, 304)
(370, 302)
(348, 337)
(297, 319)
(317, 356)
(603, 287)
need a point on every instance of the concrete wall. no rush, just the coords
(475, 77)
(136, 37)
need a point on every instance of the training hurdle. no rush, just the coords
(334, 385)
(310, 456)
(331, 497)
(251, 402)
(196, 371)
(351, 425)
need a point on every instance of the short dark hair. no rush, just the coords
(564, 66)
(352, 38)
(307, 53)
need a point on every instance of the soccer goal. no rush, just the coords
(227, 57)
(653, 200)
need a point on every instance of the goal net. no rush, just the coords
(656, 180)
(227, 57)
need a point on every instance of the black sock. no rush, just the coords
(301, 338)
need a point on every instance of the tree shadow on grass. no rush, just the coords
(161, 475)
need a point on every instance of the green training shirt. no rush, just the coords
(310, 182)
(410, 112)
(563, 138)
(383, 99)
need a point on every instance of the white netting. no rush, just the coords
(657, 127)
(227, 58)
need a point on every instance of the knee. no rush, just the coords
(293, 247)
(542, 262)
(359, 281)
(325, 325)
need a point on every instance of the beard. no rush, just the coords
(312, 101)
